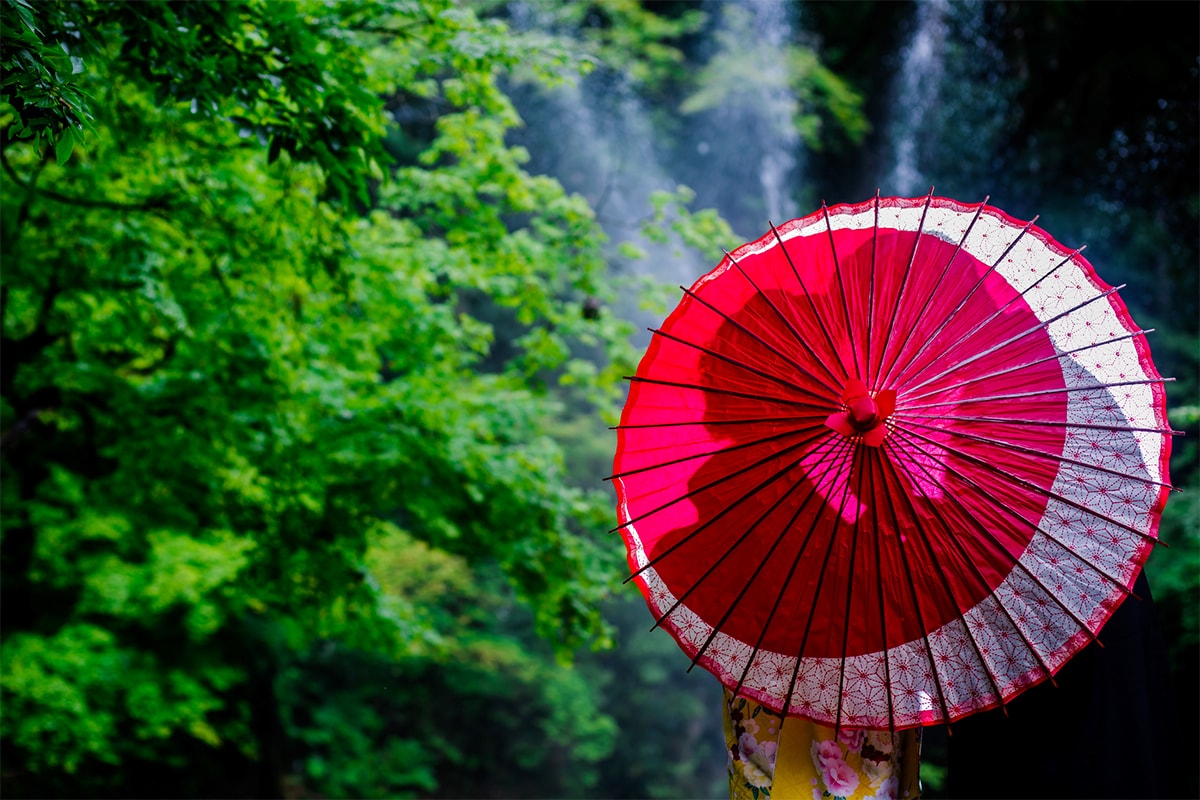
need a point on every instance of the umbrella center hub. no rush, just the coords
(864, 414)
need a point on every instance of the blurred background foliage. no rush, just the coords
(314, 315)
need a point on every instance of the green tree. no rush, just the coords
(247, 373)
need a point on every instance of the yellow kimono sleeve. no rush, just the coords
(805, 761)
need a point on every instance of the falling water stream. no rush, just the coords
(915, 96)
(595, 135)
(950, 103)
(774, 101)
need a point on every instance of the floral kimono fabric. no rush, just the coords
(809, 761)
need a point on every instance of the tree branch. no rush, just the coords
(150, 204)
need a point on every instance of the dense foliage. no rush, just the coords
(306, 368)
(261, 451)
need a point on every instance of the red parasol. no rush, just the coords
(892, 463)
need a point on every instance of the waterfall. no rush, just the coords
(918, 85)
(741, 150)
(774, 100)
(952, 101)
(594, 135)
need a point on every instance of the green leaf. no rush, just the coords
(64, 146)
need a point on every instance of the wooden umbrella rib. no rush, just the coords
(916, 601)
(737, 542)
(1014, 560)
(849, 597)
(759, 339)
(887, 669)
(1042, 324)
(929, 299)
(1081, 624)
(704, 525)
(1040, 423)
(787, 703)
(742, 365)
(912, 259)
(728, 392)
(718, 451)
(908, 434)
(908, 397)
(722, 479)
(1042, 454)
(762, 563)
(743, 421)
(1038, 393)
(784, 318)
(837, 271)
(871, 288)
(966, 298)
(833, 351)
(842, 445)
(923, 536)
(983, 325)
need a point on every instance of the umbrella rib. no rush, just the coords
(929, 299)
(849, 596)
(759, 339)
(909, 434)
(837, 271)
(721, 559)
(871, 288)
(1080, 623)
(835, 458)
(1015, 338)
(912, 590)
(704, 525)
(750, 581)
(729, 392)
(754, 370)
(979, 574)
(966, 298)
(966, 558)
(923, 536)
(912, 259)
(1021, 294)
(745, 421)
(787, 703)
(783, 317)
(811, 304)
(887, 670)
(1030, 485)
(910, 397)
(1043, 454)
(1041, 422)
(1039, 393)
(718, 451)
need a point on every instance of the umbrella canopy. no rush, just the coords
(892, 463)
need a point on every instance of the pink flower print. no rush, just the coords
(840, 778)
(750, 726)
(853, 739)
(747, 744)
(889, 789)
(827, 752)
